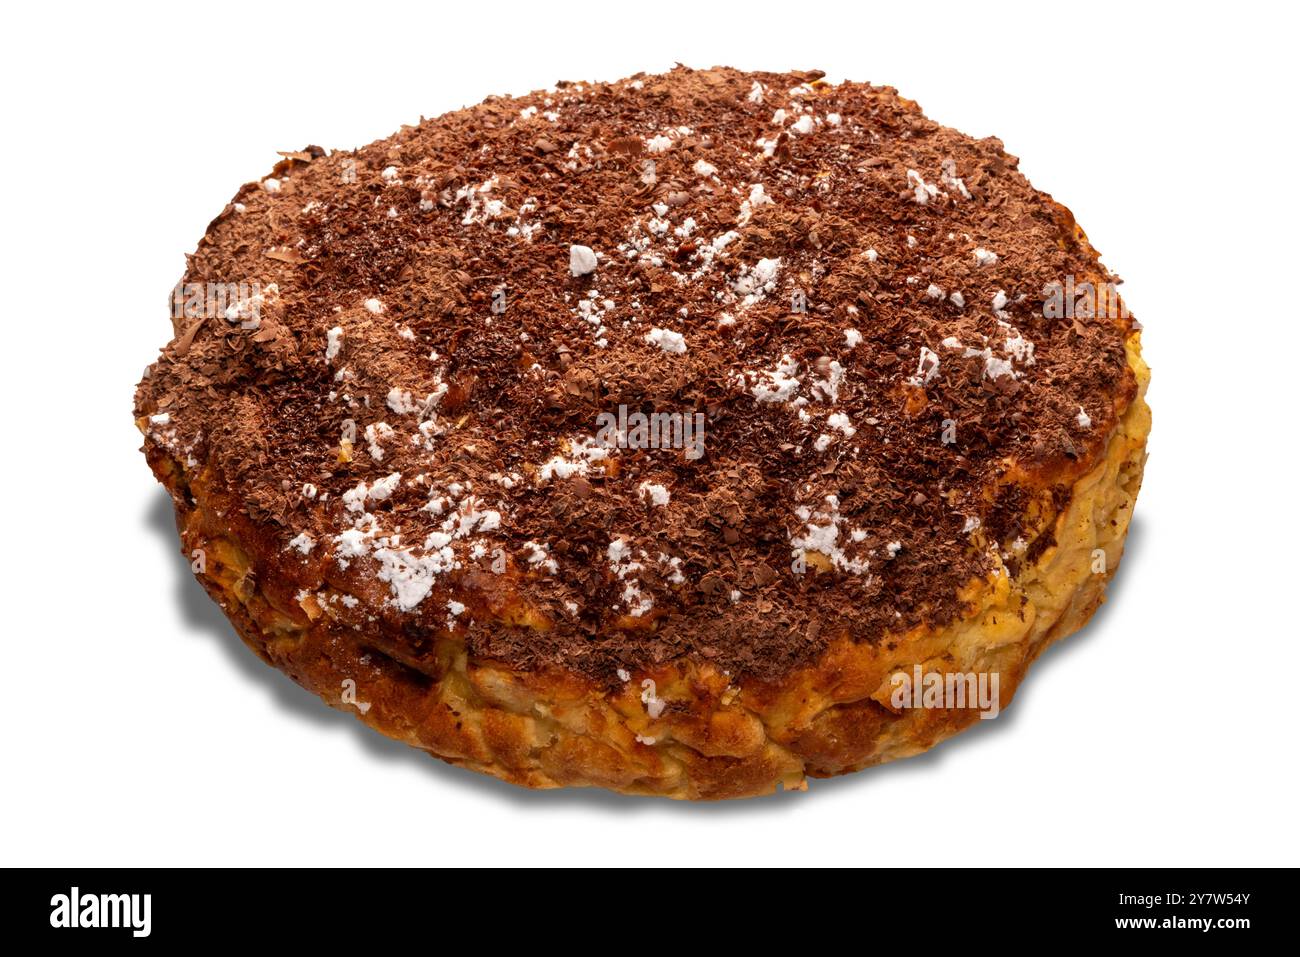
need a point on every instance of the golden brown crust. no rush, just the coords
(714, 739)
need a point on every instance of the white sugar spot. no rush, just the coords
(582, 260)
(333, 342)
(657, 494)
(667, 340)
(303, 542)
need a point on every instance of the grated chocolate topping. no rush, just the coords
(421, 368)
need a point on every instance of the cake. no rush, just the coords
(676, 436)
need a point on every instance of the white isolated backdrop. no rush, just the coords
(140, 731)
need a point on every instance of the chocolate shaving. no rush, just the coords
(443, 255)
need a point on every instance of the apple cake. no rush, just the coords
(676, 436)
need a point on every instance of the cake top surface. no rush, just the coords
(714, 364)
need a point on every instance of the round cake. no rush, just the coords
(690, 435)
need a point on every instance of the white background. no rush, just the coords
(138, 730)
